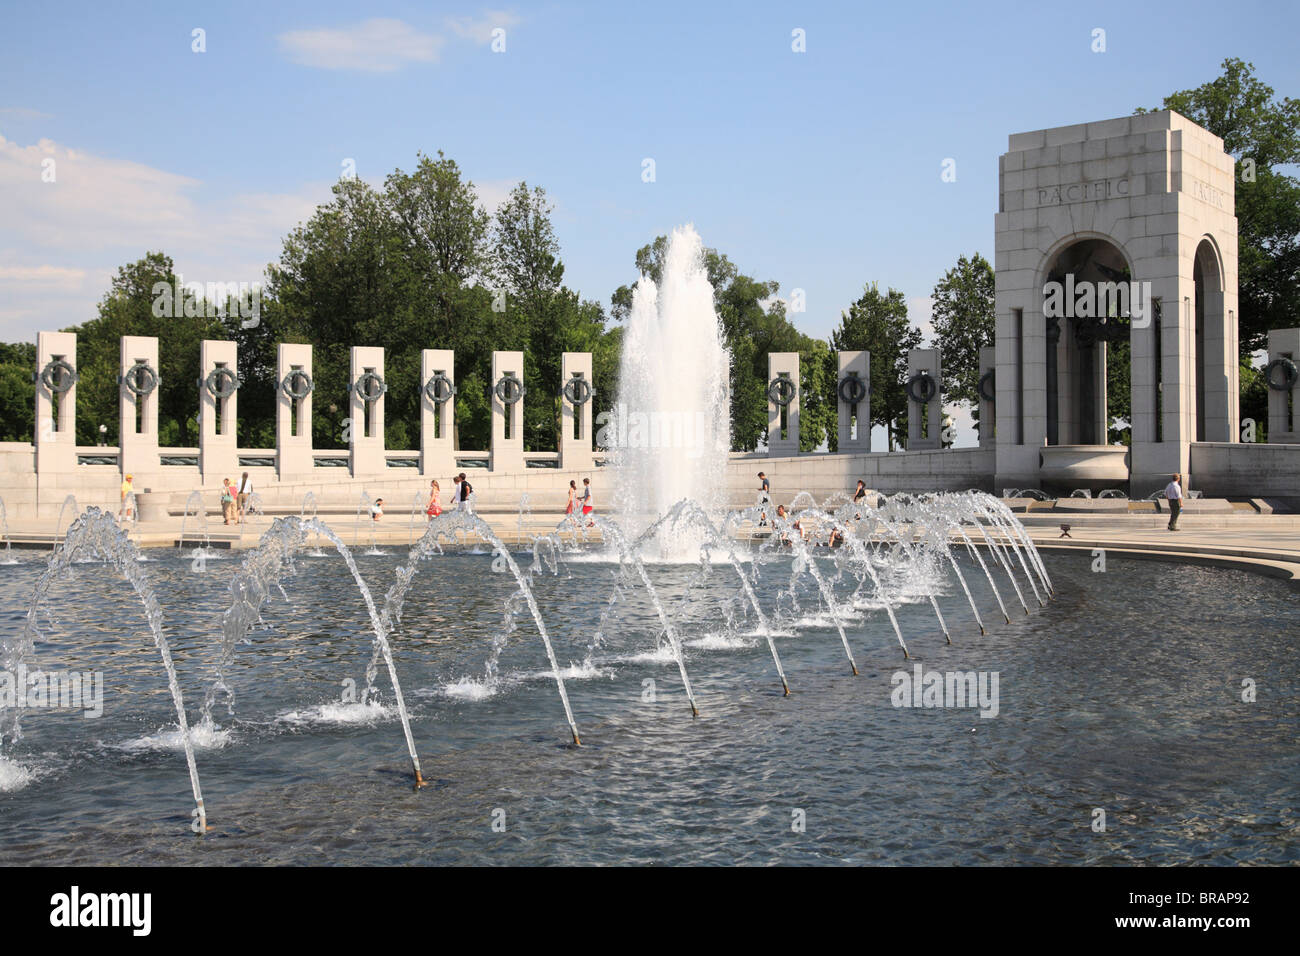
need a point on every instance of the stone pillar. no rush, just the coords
(854, 365)
(366, 411)
(507, 453)
(56, 412)
(988, 407)
(1284, 405)
(293, 441)
(138, 414)
(575, 418)
(925, 361)
(218, 435)
(437, 419)
(783, 365)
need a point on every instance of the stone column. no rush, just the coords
(437, 419)
(987, 407)
(854, 364)
(1284, 406)
(293, 440)
(575, 419)
(218, 446)
(507, 453)
(367, 413)
(1151, 461)
(925, 361)
(56, 412)
(783, 365)
(138, 414)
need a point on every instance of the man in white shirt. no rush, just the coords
(1174, 494)
(241, 497)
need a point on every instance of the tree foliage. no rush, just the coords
(963, 320)
(878, 323)
(1263, 134)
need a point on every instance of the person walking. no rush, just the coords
(241, 498)
(764, 498)
(377, 509)
(573, 495)
(1174, 495)
(434, 507)
(587, 505)
(227, 501)
(466, 489)
(127, 490)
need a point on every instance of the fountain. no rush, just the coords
(4, 532)
(908, 540)
(97, 534)
(671, 423)
(195, 501)
(70, 500)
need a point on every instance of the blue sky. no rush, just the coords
(818, 169)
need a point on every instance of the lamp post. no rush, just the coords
(103, 435)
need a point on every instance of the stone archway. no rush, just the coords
(1090, 320)
(1208, 318)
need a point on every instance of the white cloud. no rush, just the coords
(61, 241)
(376, 46)
(480, 28)
(493, 192)
(920, 312)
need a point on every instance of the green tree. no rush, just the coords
(818, 402)
(525, 251)
(1254, 397)
(17, 399)
(1263, 134)
(445, 225)
(878, 323)
(963, 320)
(128, 308)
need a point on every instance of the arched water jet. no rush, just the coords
(69, 500)
(98, 532)
(905, 542)
(785, 528)
(1004, 529)
(1022, 534)
(859, 547)
(267, 563)
(940, 539)
(723, 540)
(997, 550)
(450, 523)
(195, 501)
(957, 524)
(630, 555)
